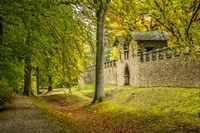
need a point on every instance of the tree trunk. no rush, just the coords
(99, 77)
(1, 31)
(38, 79)
(50, 88)
(27, 77)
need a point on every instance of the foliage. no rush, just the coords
(11, 68)
(46, 34)
(6, 96)
(114, 54)
(180, 18)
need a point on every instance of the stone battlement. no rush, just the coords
(159, 54)
(107, 64)
(154, 55)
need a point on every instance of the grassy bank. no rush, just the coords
(127, 109)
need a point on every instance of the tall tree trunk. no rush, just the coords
(99, 77)
(1, 31)
(50, 88)
(27, 76)
(38, 79)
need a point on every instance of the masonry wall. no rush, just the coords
(169, 71)
(133, 65)
(160, 68)
(88, 76)
(110, 74)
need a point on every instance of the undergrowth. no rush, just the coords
(6, 96)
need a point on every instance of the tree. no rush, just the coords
(101, 11)
(30, 21)
(11, 67)
(63, 31)
(100, 8)
(43, 34)
(20, 20)
(69, 38)
(38, 80)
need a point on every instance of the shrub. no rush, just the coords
(6, 96)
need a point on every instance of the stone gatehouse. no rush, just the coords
(144, 60)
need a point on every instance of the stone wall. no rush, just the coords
(110, 74)
(155, 68)
(88, 76)
(163, 68)
(133, 65)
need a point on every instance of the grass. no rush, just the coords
(127, 109)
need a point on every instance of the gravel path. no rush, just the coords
(24, 117)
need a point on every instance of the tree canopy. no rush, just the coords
(40, 33)
(180, 18)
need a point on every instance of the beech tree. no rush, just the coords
(99, 8)
(100, 11)
(11, 49)
(32, 28)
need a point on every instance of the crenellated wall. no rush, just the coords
(165, 68)
(155, 68)
(110, 74)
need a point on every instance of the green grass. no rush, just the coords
(156, 109)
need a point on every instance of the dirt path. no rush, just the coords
(24, 117)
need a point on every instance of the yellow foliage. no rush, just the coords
(114, 25)
(114, 53)
(178, 21)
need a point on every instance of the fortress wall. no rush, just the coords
(169, 70)
(120, 72)
(133, 66)
(160, 68)
(88, 76)
(134, 71)
(110, 74)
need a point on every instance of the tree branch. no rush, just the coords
(191, 20)
(70, 2)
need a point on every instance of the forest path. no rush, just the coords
(23, 117)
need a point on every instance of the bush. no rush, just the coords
(6, 96)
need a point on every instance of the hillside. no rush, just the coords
(127, 109)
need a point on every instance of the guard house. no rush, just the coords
(150, 40)
(131, 50)
(140, 42)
